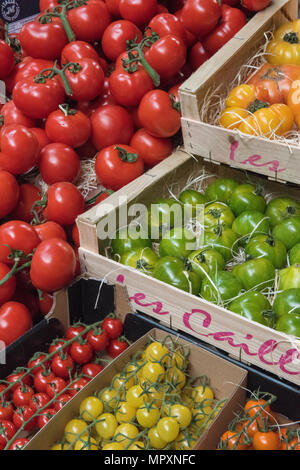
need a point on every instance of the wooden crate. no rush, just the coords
(274, 159)
(242, 338)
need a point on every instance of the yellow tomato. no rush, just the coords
(122, 381)
(90, 408)
(168, 429)
(157, 352)
(147, 416)
(232, 117)
(137, 445)
(285, 46)
(74, 428)
(201, 415)
(276, 119)
(109, 397)
(113, 446)
(202, 392)
(136, 396)
(125, 412)
(156, 442)
(60, 446)
(86, 442)
(153, 372)
(125, 433)
(176, 377)
(185, 441)
(240, 96)
(182, 414)
(106, 426)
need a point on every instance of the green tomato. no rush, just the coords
(288, 232)
(222, 286)
(247, 197)
(254, 306)
(172, 271)
(161, 216)
(206, 261)
(282, 208)
(287, 301)
(264, 246)
(255, 274)
(289, 324)
(128, 239)
(217, 213)
(143, 259)
(221, 190)
(222, 240)
(250, 223)
(289, 278)
(191, 198)
(177, 242)
(294, 254)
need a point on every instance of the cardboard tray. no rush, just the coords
(244, 339)
(227, 381)
(276, 160)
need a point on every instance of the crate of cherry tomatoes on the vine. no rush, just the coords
(243, 110)
(50, 364)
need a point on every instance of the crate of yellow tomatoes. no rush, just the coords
(161, 393)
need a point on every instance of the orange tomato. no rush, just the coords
(233, 440)
(266, 440)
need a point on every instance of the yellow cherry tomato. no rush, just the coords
(109, 397)
(60, 446)
(106, 426)
(136, 396)
(113, 446)
(179, 360)
(156, 442)
(202, 392)
(168, 429)
(122, 381)
(201, 415)
(285, 45)
(125, 412)
(137, 445)
(182, 415)
(176, 377)
(147, 416)
(125, 433)
(153, 372)
(86, 442)
(74, 429)
(185, 441)
(157, 352)
(90, 408)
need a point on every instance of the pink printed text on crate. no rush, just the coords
(263, 353)
(254, 160)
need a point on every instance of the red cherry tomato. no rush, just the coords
(151, 149)
(22, 395)
(9, 193)
(49, 230)
(19, 443)
(89, 21)
(77, 386)
(91, 369)
(61, 401)
(117, 166)
(139, 12)
(45, 303)
(4, 396)
(62, 365)
(116, 35)
(39, 400)
(45, 417)
(7, 289)
(17, 235)
(111, 124)
(17, 378)
(35, 361)
(74, 331)
(22, 415)
(6, 59)
(59, 162)
(200, 17)
(68, 126)
(29, 195)
(65, 203)
(116, 347)
(15, 320)
(19, 149)
(8, 430)
(113, 327)
(81, 352)
(98, 339)
(41, 379)
(53, 265)
(55, 386)
(6, 410)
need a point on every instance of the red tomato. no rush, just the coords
(113, 7)
(68, 126)
(158, 115)
(198, 55)
(81, 352)
(118, 165)
(129, 88)
(15, 320)
(4, 396)
(22, 395)
(22, 415)
(89, 21)
(19, 149)
(111, 124)
(116, 347)
(47, 4)
(190, 38)
(41, 379)
(39, 400)
(165, 24)
(30, 67)
(7, 289)
(29, 195)
(43, 41)
(91, 369)
(139, 12)
(56, 345)
(200, 17)
(6, 60)
(77, 386)
(86, 78)
(167, 55)
(104, 99)
(20, 377)
(12, 115)
(45, 417)
(98, 339)
(75, 235)
(17, 235)
(74, 331)
(113, 327)
(35, 361)
(6, 410)
(46, 303)
(8, 430)
(59, 162)
(41, 136)
(61, 401)
(65, 203)
(38, 99)
(62, 365)
(53, 265)
(256, 5)
(78, 50)
(116, 35)
(151, 149)
(9, 193)
(18, 444)
(49, 230)
(231, 22)
(55, 386)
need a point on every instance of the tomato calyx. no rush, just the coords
(51, 72)
(67, 110)
(61, 13)
(126, 156)
(37, 209)
(256, 105)
(175, 103)
(136, 56)
(291, 37)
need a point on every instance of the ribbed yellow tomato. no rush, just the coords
(285, 47)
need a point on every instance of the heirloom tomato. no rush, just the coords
(161, 216)
(294, 254)
(287, 302)
(255, 274)
(254, 306)
(128, 239)
(220, 287)
(193, 202)
(289, 323)
(218, 213)
(205, 261)
(221, 239)
(220, 190)
(284, 48)
(142, 259)
(288, 231)
(247, 197)
(171, 270)
(264, 246)
(178, 242)
(289, 278)
(251, 222)
(281, 208)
